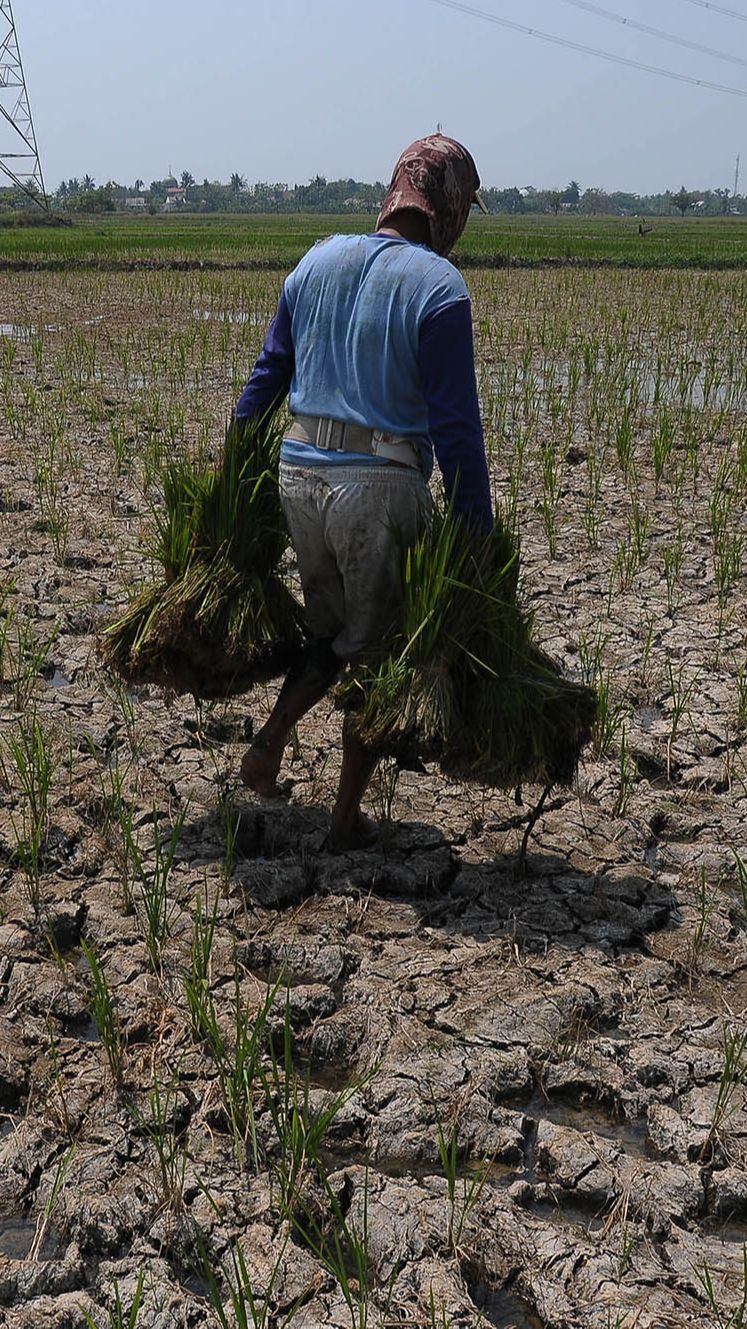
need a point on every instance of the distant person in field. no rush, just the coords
(373, 340)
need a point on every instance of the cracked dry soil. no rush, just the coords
(570, 1022)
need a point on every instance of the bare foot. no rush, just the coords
(259, 770)
(359, 832)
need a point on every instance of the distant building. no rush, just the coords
(138, 204)
(176, 197)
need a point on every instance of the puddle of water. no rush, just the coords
(730, 1232)
(397, 1169)
(199, 1287)
(25, 331)
(330, 1077)
(594, 1117)
(504, 1309)
(86, 1032)
(17, 1238)
(236, 316)
(648, 716)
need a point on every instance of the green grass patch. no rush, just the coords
(279, 241)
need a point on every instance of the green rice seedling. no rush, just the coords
(461, 1200)
(731, 1085)
(222, 619)
(438, 1317)
(593, 505)
(123, 700)
(68, 1124)
(33, 767)
(342, 1246)
(119, 1317)
(197, 984)
(465, 651)
(120, 442)
(674, 555)
(299, 1126)
(628, 775)
(7, 617)
(124, 857)
(231, 822)
(599, 677)
(681, 694)
(24, 656)
(706, 905)
(104, 1014)
(238, 1065)
(383, 790)
(53, 502)
(622, 570)
(742, 696)
(161, 1125)
(249, 1308)
(52, 1200)
(624, 440)
(111, 781)
(154, 908)
(647, 634)
(741, 867)
(724, 1318)
(639, 525)
(662, 443)
(550, 496)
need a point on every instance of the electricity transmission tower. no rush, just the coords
(20, 160)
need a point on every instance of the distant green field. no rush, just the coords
(281, 240)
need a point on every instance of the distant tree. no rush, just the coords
(597, 202)
(187, 180)
(88, 184)
(555, 200)
(94, 200)
(237, 183)
(572, 194)
(682, 201)
(139, 184)
(723, 195)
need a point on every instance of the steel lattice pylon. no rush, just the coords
(21, 159)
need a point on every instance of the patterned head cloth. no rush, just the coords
(438, 177)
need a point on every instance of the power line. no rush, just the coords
(718, 9)
(589, 50)
(655, 32)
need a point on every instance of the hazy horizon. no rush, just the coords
(289, 92)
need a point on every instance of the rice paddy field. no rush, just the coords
(247, 1082)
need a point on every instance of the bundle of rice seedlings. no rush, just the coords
(464, 684)
(221, 618)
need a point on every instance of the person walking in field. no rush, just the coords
(373, 341)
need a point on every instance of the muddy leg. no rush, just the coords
(350, 829)
(302, 689)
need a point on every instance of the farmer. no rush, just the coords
(373, 340)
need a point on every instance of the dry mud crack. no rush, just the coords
(572, 1026)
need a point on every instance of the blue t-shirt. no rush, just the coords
(357, 304)
(376, 331)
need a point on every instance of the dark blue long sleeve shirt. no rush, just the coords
(446, 369)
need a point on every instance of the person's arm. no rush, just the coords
(447, 366)
(272, 374)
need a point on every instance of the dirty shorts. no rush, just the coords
(348, 525)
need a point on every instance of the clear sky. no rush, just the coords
(279, 90)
